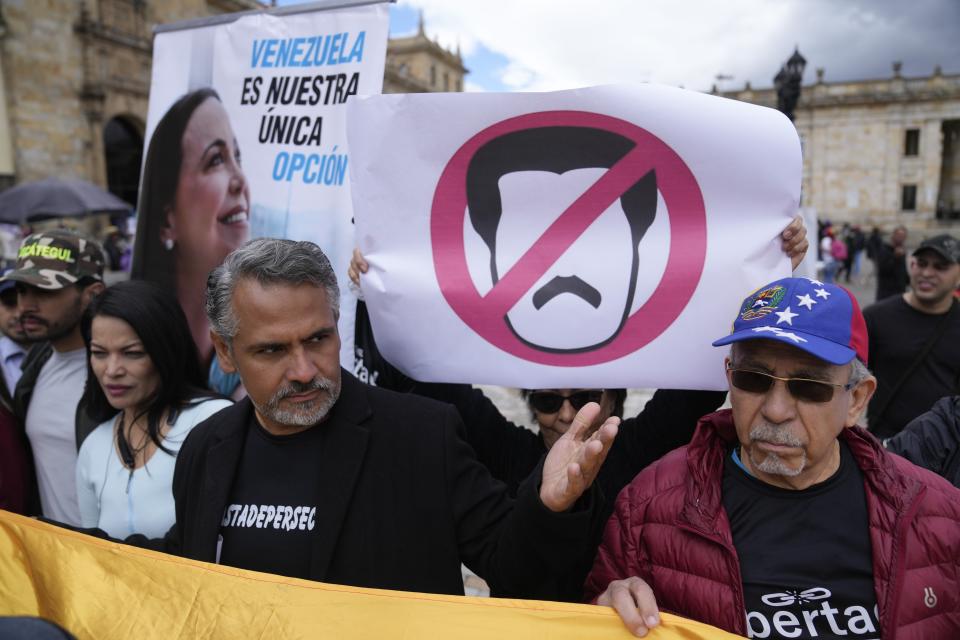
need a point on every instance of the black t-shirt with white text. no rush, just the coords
(270, 521)
(805, 556)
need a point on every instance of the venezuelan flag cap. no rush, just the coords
(822, 319)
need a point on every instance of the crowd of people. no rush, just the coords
(778, 517)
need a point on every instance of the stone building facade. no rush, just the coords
(75, 79)
(879, 152)
(417, 64)
(75, 83)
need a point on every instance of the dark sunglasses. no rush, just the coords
(550, 402)
(800, 388)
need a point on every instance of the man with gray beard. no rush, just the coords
(782, 518)
(316, 475)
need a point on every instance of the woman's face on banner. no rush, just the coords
(212, 205)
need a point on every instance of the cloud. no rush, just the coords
(517, 76)
(553, 45)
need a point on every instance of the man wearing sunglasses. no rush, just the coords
(782, 518)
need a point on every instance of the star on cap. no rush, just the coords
(816, 282)
(780, 333)
(767, 329)
(823, 293)
(786, 316)
(792, 336)
(806, 301)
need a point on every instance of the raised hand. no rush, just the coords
(574, 460)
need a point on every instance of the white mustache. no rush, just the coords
(774, 435)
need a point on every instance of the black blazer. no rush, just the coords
(403, 500)
(512, 452)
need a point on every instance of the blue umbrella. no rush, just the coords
(57, 198)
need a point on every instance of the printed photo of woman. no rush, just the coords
(194, 209)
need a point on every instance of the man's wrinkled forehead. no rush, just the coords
(770, 354)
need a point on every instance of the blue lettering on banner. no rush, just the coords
(329, 169)
(313, 51)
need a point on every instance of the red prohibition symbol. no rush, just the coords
(487, 314)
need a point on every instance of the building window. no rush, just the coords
(446, 81)
(908, 201)
(911, 146)
(433, 75)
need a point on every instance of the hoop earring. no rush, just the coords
(168, 244)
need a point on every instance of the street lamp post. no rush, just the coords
(787, 83)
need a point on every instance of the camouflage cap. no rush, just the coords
(56, 259)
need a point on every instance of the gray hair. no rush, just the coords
(268, 261)
(858, 371)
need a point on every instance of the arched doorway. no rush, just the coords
(123, 148)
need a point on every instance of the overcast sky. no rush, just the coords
(539, 45)
(533, 45)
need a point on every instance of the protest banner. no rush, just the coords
(100, 589)
(246, 138)
(600, 237)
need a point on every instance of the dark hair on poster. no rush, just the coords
(158, 191)
(194, 205)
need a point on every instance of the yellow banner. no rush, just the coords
(99, 589)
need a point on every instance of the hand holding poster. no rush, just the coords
(592, 238)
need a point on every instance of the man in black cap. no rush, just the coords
(915, 338)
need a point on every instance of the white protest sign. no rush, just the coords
(283, 83)
(600, 237)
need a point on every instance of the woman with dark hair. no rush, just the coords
(194, 205)
(146, 388)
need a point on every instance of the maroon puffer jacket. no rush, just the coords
(670, 529)
(16, 468)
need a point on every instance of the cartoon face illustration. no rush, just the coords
(517, 185)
